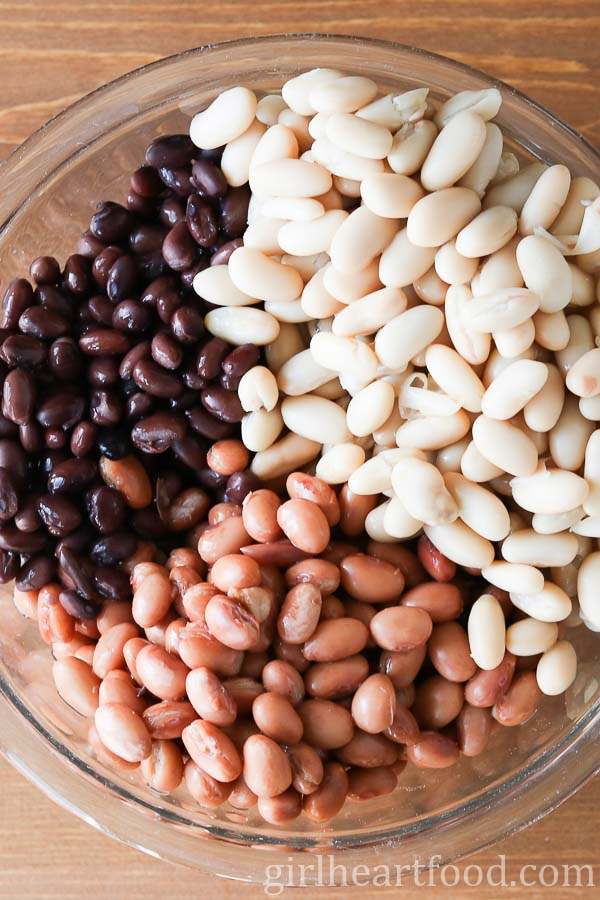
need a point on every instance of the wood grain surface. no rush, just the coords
(52, 52)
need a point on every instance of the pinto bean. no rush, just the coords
(473, 726)
(163, 769)
(299, 614)
(437, 702)
(442, 601)
(327, 725)
(282, 678)
(433, 751)
(212, 750)
(401, 628)
(331, 680)
(277, 718)
(368, 751)
(161, 673)
(327, 800)
(448, 649)
(519, 702)
(209, 697)
(166, 720)
(370, 579)
(336, 639)
(123, 732)
(402, 666)
(299, 485)
(267, 770)
(366, 784)
(486, 687)
(307, 768)
(205, 790)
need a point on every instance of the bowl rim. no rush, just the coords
(505, 789)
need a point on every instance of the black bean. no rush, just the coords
(20, 541)
(9, 495)
(167, 305)
(148, 524)
(234, 212)
(103, 263)
(59, 515)
(131, 316)
(8, 429)
(177, 179)
(165, 284)
(112, 583)
(145, 181)
(64, 359)
(50, 459)
(56, 300)
(166, 351)
(210, 357)
(72, 475)
(78, 571)
(23, 350)
(222, 404)
(172, 211)
(104, 342)
(55, 438)
(147, 239)
(221, 255)
(78, 541)
(113, 549)
(9, 566)
(45, 270)
(111, 222)
(187, 400)
(62, 408)
(77, 607)
(106, 408)
(13, 458)
(207, 426)
(37, 572)
(18, 396)
(151, 266)
(201, 221)
(187, 275)
(103, 371)
(208, 179)
(77, 274)
(129, 361)
(88, 245)
(179, 247)
(114, 442)
(17, 298)
(138, 405)
(155, 380)
(122, 278)
(83, 439)
(229, 382)
(187, 325)
(144, 207)
(240, 484)
(190, 452)
(170, 150)
(101, 310)
(168, 486)
(240, 360)
(155, 434)
(31, 437)
(106, 509)
(43, 322)
(211, 480)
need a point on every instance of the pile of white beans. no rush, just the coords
(430, 313)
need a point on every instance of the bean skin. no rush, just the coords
(197, 647)
(212, 750)
(234, 570)
(299, 614)
(231, 623)
(401, 628)
(282, 809)
(118, 687)
(210, 698)
(162, 770)
(106, 756)
(486, 687)
(327, 800)
(325, 575)
(229, 536)
(244, 691)
(123, 732)
(336, 639)
(327, 725)
(520, 701)
(267, 770)
(259, 515)
(205, 789)
(307, 768)
(152, 600)
(241, 796)
(167, 720)
(404, 728)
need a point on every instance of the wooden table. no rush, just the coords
(52, 52)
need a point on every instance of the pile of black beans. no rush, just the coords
(111, 390)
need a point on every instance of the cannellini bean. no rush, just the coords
(229, 115)
(289, 178)
(296, 209)
(430, 288)
(587, 589)
(546, 199)
(242, 325)
(476, 467)
(358, 135)
(301, 374)
(439, 216)
(448, 458)
(590, 408)
(260, 429)
(551, 330)
(286, 455)
(342, 95)
(269, 107)
(337, 464)
(478, 508)
(488, 232)
(316, 301)
(348, 287)
(474, 346)
(411, 146)
(513, 388)
(500, 270)
(315, 418)
(583, 378)
(288, 343)
(514, 576)
(580, 341)
(375, 475)
(278, 142)
(529, 637)
(549, 491)
(314, 236)
(487, 632)
(215, 285)
(433, 432)
(402, 262)
(296, 91)
(359, 239)
(370, 313)
(503, 309)
(505, 446)
(408, 334)
(478, 177)
(527, 546)
(421, 488)
(571, 215)
(342, 354)
(543, 410)
(545, 272)
(568, 438)
(515, 190)
(263, 234)
(486, 103)
(512, 342)
(548, 523)
(452, 267)
(454, 151)
(393, 110)
(370, 408)
(557, 669)
(398, 522)
(583, 287)
(235, 161)
(258, 275)
(591, 472)
(390, 195)
(507, 167)
(461, 544)
(258, 389)
(550, 604)
(348, 169)
(454, 376)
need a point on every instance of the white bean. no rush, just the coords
(439, 216)
(501, 270)
(591, 472)
(588, 527)
(515, 190)
(455, 376)
(312, 237)
(570, 217)
(215, 285)
(550, 604)
(545, 272)
(301, 374)
(306, 266)
(568, 438)
(486, 103)
(461, 544)
(342, 354)
(488, 232)
(423, 493)
(237, 155)
(242, 325)
(278, 142)
(513, 342)
(473, 346)
(544, 550)
(263, 234)
(551, 330)
(546, 199)
(505, 446)
(288, 343)
(580, 341)
(479, 508)
(549, 491)
(402, 262)
(269, 107)
(344, 165)
(406, 335)
(260, 429)
(542, 411)
(411, 145)
(258, 389)
(487, 632)
(359, 239)
(454, 151)
(394, 110)
(370, 408)
(583, 378)
(448, 458)
(358, 135)
(299, 125)
(337, 464)
(513, 388)
(285, 456)
(342, 95)
(587, 589)
(374, 524)
(296, 91)
(398, 522)
(315, 418)
(375, 475)
(367, 315)
(486, 165)
(295, 209)
(528, 637)
(390, 195)
(553, 523)
(514, 576)
(348, 287)
(229, 115)
(316, 301)
(503, 309)
(433, 432)
(289, 178)
(584, 293)
(452, 267)
(476, 467)
(557, 669)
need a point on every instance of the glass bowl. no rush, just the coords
(50, 186)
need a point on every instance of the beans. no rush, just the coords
(433, 751)
(152, 600)
(557, 668)
(299, 613)
(109, 651)
(327, 800)
(210, 698)
(267, 770)
(519, 702)
(305, 524)
(336, 639)
(365, 784)
(374, 704)
(276, 717)
(327, 725)
(212, 751)
(118, 687)
(123, 732)
(231, 623)
(307, 768)
(76, 684)
(163, 769)
(449, 652)
(167, 720)
(401, 628)
(437, 702)
(368, 751)
(371, 580)
(280, 677)
(331, 680)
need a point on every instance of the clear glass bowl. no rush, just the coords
(50, 186)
